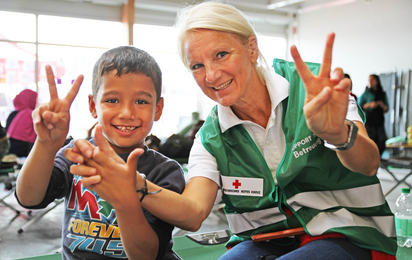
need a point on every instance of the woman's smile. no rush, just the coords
(223, 86)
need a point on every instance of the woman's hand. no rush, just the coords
(326, 101)
(51, 121)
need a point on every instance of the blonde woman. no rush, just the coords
(279, 154)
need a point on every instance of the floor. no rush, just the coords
(43, 237)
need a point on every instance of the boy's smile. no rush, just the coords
(126, 108)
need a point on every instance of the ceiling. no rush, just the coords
(276, 12)
(269, 17)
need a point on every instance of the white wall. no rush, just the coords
(372, 36)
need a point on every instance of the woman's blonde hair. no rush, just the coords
(213, 16)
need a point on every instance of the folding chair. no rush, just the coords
(399, 163)
(10, 185)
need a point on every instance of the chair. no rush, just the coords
(10, 186)
(400, 163)
(201, 246)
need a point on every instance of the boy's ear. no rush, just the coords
(92, 107)
(159, 109)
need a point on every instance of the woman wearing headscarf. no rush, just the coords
(19, 124)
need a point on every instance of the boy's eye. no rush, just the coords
(141, 102)
(197, 66)
(222, 54)
(112, 100)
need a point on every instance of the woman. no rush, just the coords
(19, 125)
(267, 161)
(374, 103)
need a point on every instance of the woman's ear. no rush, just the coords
(92, 107)
(253, 48)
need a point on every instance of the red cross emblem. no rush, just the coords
(237, 184)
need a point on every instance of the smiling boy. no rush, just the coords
(106, 220)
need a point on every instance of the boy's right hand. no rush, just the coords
(51, 121)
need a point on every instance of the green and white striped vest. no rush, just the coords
(323, 195)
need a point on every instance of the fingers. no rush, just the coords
(301, 67)
(73, 155)
(83, 170)
(327, 56)
(314, 105)
(75, 89)
(51, 82)
(88, 182)
(101, 141)
(36, 116)
(104, 145)
(133, 158)
(343, 85)
(84, 147)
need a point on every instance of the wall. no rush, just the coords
(371, 37)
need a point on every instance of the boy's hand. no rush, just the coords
(326, 101)
(51, 121)
(105, 172)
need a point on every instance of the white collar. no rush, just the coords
(278, 88)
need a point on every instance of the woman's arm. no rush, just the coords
(364, 150)
(326, 105)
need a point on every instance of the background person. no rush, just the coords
(19, 124)
(374, 103)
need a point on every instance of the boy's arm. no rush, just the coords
(117, 186)
(186, 211)
(51, 123)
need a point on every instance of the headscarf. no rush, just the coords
(21, 128)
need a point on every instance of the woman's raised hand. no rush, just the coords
(327, 96)
(51, 120)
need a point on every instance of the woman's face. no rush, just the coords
(373, 82)
(221, 64)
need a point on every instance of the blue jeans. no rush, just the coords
(332, 248)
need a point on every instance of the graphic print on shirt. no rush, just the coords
(93, 223)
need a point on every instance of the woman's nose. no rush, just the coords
(212, 74)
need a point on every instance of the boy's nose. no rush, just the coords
(126, 112)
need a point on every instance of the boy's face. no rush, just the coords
(126, 108)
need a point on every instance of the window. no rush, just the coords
(70, 45)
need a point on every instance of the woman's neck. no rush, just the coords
(256, 105)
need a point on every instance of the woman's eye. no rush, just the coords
(221, 54)
(196, 66)
(141, 102)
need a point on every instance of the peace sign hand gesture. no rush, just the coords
(51, 121)
(326, 101)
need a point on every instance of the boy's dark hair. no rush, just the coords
(127, 59)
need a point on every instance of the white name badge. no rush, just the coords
(242, 186)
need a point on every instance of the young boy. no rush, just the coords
(105, 220)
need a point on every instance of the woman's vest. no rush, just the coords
(323, 195)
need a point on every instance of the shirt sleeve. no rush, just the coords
(203, 164)
(60, 180)
(353, 112)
